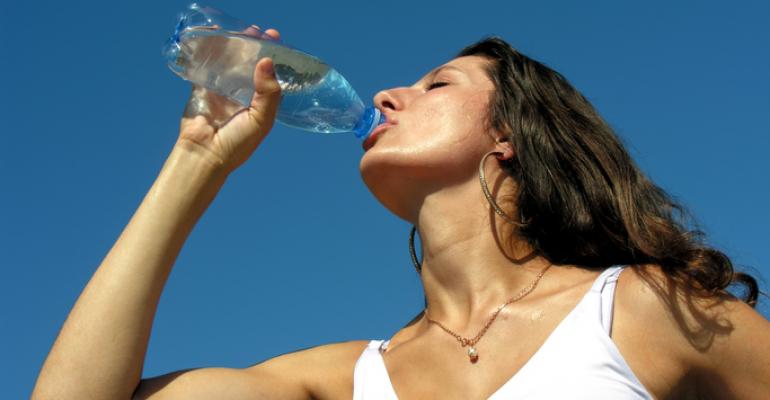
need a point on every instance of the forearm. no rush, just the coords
(101, 348)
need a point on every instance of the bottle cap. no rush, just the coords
(371, 119)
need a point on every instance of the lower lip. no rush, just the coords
(369, 142)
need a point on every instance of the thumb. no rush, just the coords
(267, 94)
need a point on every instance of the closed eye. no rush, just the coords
(436, 85)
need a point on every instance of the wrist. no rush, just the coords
(193, 153)
(191, 177)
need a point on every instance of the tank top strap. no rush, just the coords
(370, 377)
(603, 293)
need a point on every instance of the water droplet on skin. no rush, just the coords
(536, 315)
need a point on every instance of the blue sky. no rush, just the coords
(295, 251)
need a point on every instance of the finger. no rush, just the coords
(253, 31)
(256, 31)
(273, 33)
(196, 104)
(267, 93)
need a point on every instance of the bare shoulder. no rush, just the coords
(321, 372)
(720, 344)
(326, 371)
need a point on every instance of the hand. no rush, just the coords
(224, 130)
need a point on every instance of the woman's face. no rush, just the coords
(435, 135)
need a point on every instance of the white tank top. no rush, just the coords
(579, 360)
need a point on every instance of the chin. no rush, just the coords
(391, 184)
(401, 179)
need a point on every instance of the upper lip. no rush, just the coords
(388, 118)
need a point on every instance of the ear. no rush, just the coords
(505, 148)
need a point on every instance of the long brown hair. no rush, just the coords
(583, 198)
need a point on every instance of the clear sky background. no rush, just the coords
(295, 252)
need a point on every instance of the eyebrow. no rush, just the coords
(441, 68)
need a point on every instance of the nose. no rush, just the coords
(391, 99)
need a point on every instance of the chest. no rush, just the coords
(543, 353)
(545, 358)
(563, 347)
(437, 366)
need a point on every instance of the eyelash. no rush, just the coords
(436, 85)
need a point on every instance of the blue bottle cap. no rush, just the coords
(371, 119)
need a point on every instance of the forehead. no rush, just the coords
(472, 67)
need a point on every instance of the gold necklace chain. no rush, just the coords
(473, 353)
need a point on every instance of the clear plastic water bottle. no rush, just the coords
(219, 52)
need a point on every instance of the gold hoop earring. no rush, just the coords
(482, 178)
(412, 253)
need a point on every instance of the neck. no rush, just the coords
(473, 261)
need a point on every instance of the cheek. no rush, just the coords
(451, 120)
(443, 134)
(474, 110)
(437, 147)
(458, 128)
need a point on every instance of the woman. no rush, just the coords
(552, 267)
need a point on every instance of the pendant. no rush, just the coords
(473, 354)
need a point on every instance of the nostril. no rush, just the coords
(385, 100)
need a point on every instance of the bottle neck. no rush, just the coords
(371, 118)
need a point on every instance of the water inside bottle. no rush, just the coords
(314, 95)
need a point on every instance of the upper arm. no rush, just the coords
(738, 364)
(220, 383)
(318, 372)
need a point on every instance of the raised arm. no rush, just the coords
(100, 350)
